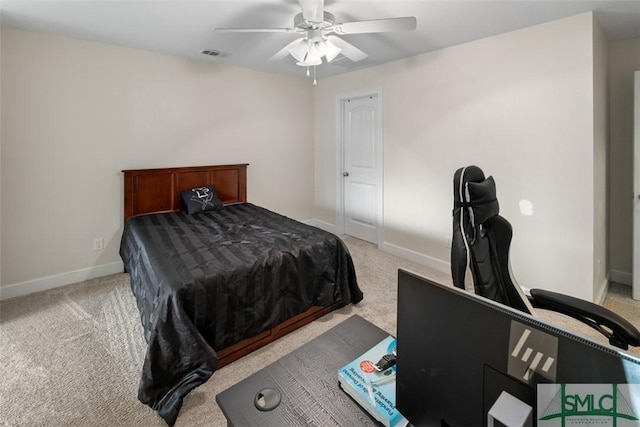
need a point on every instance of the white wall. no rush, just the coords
(624, 59)
(600, 143)
(519, 105)
(75, 113)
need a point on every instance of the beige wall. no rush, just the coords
(520, 105)
(75, 113)
(600, 143)
(624, 59)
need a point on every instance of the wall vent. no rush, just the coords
(214, 53)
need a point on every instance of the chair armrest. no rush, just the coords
(620, 332)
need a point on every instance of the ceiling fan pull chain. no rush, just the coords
(315, 83)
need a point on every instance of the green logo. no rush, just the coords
(587, 404)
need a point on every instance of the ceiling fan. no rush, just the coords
(319, 34)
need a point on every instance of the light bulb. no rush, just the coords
(317, 49)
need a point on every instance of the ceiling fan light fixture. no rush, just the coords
(317, 49)
(331, 51)
(309, 61)
(300, 51)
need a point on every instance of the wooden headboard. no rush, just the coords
(158, 190)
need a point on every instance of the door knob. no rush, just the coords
(345, 174)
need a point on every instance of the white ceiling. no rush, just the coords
(184, 28)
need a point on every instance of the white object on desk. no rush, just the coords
(510, 411)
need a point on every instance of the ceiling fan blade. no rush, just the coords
(408, 23)
(347, 49)
(282, 53)
(255, 30)
(312, 10)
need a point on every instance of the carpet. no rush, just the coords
(72, 356)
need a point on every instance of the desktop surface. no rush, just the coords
(307, 380)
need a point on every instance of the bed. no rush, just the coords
(216, 285)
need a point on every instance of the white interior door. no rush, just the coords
(362, 167)
(636, 188)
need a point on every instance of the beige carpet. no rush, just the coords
(72, 356)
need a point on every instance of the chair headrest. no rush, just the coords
(473, 191)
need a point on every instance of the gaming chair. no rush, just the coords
(481, 241)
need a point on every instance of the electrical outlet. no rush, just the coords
(98, 244)
(447, 242)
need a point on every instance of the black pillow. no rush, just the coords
(201, 199)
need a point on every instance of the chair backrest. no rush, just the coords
(481, 240)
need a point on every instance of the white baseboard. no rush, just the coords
(599, 297)
(63, 279)
(59, 280)
(331, 228)
(621, 277)
(420, 258)
(399, 251)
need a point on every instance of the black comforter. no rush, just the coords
(208, 280)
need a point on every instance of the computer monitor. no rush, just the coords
(457, 353)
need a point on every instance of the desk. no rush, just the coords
(308, 381)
